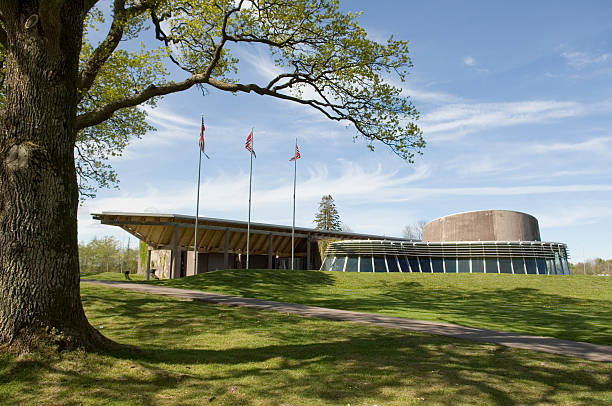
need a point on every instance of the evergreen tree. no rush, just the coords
(328, 218)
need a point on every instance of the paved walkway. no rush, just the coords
(588, 351)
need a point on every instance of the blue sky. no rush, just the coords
(516, 108)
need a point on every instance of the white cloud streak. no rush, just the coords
(455, 120)
(574, 216)
(581, 60)
(600, 145)
(469, 61)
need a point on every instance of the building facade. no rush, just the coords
(222, 243)
(489, 241)
(512, 257)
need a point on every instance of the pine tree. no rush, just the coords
(328, 218)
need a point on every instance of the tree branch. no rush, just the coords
(101, 54)
(89, 4)
(105, 112)
(219, 47)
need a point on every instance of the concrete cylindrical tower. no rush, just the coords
(485, 225)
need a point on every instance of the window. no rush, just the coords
(327, 263)
(451, 265)
(404, 264)
(519, 265)
(437, 264)
(425, 265)
(477, 265)
(550, 267)
(351, 263)
(531, 266)
(379, 264)
(366, 264)
(558, 267)
(491, 265)
(414, 264)
(541, 263)
(505, 265)
(392, 263)
(464, 265)
(338, 264)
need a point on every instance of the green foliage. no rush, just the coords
(123, 74)
(327, 218)
(106, 255)
(142, 248)
(595, 266)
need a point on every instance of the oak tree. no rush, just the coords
(70, 101)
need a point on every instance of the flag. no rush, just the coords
(249, 144)
(201, 142)
(297, 154)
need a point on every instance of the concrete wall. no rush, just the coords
(486, 225)
(161, 261)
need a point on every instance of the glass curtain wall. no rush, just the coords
(392, 263)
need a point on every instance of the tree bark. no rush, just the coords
(39, 268)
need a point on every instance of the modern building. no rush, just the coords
(491, 241)
(222, 244)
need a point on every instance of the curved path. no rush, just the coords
(593, 352)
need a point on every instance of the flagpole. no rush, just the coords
(293, 224)
(250, 183)
(195, 243)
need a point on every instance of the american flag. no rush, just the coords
(249, 144)
(297, 154)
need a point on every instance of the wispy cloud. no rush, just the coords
(571, 216)
(486, 165)
(456, 120)
(581, 60)
(600, 145)
(429, 96)
(469, 61)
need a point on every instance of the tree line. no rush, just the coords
(108, 254)
(597, 266)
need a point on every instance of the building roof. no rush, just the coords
(159, 230)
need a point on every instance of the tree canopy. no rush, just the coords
(129, 48)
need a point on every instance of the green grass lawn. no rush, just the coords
(195, 353)
(572, 307)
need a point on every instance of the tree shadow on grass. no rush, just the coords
(198, 353)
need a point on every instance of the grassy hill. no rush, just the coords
(572, 307)
(195, 353)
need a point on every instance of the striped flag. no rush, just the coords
(249, 144)
(201, 143)
(297, 154)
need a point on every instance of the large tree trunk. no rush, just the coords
(39, 268)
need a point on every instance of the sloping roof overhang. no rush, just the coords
(160, 230)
